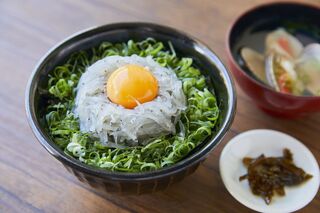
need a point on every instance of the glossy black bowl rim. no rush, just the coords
(138, 176)
(236, 64)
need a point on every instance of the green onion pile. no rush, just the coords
(198, 120)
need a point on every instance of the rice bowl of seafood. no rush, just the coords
(128, 115)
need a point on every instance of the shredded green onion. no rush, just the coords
(198, 121)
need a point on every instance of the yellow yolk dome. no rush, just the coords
(131, 84)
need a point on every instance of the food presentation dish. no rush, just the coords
(124, 112)
(254, 142)
(250, 31)
(133, 108)
(51, 104)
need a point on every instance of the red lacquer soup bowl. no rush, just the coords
(250, 30)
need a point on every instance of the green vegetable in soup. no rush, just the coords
(197, 123)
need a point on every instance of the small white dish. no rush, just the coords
(271, 143)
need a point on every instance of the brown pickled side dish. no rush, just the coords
(269, 175)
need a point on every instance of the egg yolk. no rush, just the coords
(131, 84)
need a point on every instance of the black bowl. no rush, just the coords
(131, 183)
